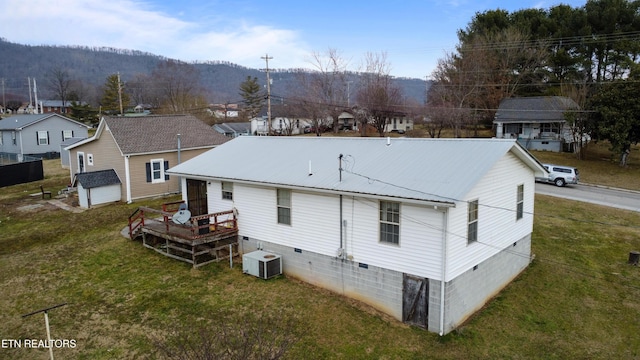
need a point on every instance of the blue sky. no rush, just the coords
(414, 34)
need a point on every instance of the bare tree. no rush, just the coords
(59, 83)
(378, 96)
(178, 87)
(577, 120)
(483, 71)
(329, 83)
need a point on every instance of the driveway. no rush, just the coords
(618, 198)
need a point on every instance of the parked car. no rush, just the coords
(560, 175)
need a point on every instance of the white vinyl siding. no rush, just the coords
(497, 226)
(317, 227)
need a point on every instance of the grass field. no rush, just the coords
(579, 299)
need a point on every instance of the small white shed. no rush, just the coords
(98, 187)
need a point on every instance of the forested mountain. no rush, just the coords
(90, 68)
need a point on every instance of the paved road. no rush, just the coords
(623, 199)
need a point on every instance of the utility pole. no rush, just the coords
(4, 103)
(267, 58)
(120, 94)
(30, 94)
(35, 97)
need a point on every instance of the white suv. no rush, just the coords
(560, 175)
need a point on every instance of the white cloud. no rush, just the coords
(135, 25)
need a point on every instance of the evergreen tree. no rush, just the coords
(253, 97)
(112, 91)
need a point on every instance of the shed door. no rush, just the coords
(415, 301)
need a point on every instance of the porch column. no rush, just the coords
(499, 130)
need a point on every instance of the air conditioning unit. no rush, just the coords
(262, 264)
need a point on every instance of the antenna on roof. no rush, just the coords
(340, 166)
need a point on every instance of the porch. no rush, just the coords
(200, 240)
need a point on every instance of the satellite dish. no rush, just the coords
(181, 217)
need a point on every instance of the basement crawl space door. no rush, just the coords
(197, 200)
(415, 301)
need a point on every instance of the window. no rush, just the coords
(67, 134)
(155, 171)
(43, 138)
(1, 135)
(520, 202)
(472, 229)
(13, 137)
(284, 206)
(389, 222)
(227, 190)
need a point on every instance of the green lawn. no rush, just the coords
(579, 299)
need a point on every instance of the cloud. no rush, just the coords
(134, 25)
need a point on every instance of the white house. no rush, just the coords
(279, 125)
(425, 230)
(539, 122)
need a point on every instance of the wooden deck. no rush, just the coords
(202, 240)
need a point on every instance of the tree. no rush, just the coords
(178, 88)
(84, 112)
(114, 99)
(378, 95)
(616, 115)
(253, 97)
(329, 84)
(13, 105)
(59, 83)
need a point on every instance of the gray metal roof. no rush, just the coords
(96, 179)
(437, 170)
(537, 108)
(18, 122)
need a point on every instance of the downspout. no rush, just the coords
(127, 176)
(179, 161)
(445, 223)
(341, 226)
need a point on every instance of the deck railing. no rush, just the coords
(199, 226)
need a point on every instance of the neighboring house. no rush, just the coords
(399, 123)
(538, 122)
(141, 149)
(38, 135)
(346, 121)
(224, 111)
(279, 125)
(233, 130)
(98, 187)
(56, 106)
(425, 230)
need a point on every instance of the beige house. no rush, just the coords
(141, 149)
